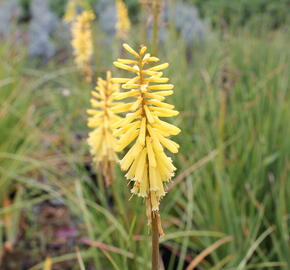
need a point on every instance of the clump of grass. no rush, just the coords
(253, 205)
(254, 187)
(19, 137)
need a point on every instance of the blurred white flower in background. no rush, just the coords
(65, 92)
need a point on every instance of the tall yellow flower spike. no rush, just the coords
(82, 42)
(103, 117)
(123, 24)
(146, 162)
(71, 10)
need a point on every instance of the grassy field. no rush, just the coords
(228, 206)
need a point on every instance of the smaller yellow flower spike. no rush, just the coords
(102, 118)
(123, 24)
(72, 9)
(146, 162)
(82, 42)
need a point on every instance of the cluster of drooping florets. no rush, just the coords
(123, 22)
(146, 162)
(82, 41)
(102, 118)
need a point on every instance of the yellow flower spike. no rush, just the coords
(146, 161)
(102, 118)
(71, 10)
(123, 24)
(82, 42)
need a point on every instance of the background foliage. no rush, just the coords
(237, 12)
(232, 184)
(241, 12)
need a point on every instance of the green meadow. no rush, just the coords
(227, 206)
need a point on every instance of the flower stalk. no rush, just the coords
(155, 242)
(144, 10)
(156, 15)
(146, 163)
